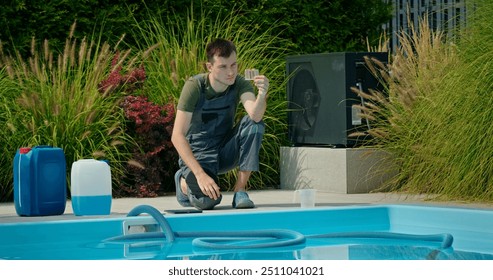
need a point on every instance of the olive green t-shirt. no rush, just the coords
(191, 92)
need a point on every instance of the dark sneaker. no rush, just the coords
(204, 202)
(242, 201)
(180, 196)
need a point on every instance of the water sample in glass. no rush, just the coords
(251, 73)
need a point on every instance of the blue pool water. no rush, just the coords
(386, 232)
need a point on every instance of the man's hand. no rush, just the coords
(262, 83)
(208, 186)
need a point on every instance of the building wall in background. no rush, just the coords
(445, 15)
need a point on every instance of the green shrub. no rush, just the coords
(312, 26)
(154, 159)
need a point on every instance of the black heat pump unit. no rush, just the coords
(321, 103)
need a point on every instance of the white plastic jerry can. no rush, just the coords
(91, 187)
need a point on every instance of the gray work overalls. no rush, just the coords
(217, 144)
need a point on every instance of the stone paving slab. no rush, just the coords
(265, 200)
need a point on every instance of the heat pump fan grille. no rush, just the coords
(305, 101)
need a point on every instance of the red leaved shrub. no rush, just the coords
(154, 163)
(154, 160)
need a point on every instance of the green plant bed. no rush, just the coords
(53, 99)
(436, 118)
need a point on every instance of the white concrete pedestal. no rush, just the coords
(337, 170)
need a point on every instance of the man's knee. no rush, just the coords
(249, 126)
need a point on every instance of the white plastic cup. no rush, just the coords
(306, 197)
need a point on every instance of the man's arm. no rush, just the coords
(255, 105)
(180, 129)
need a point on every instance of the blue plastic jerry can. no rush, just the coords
(40, 184)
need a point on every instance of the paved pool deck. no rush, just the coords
(265, 200)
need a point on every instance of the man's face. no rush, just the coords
(223, 70)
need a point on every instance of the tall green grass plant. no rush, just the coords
(436, 119)
(53, 99)
(10, 137)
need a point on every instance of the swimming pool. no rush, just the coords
(377, 232)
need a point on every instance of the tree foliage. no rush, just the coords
(313, 26)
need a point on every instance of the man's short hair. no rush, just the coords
(219, 47)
